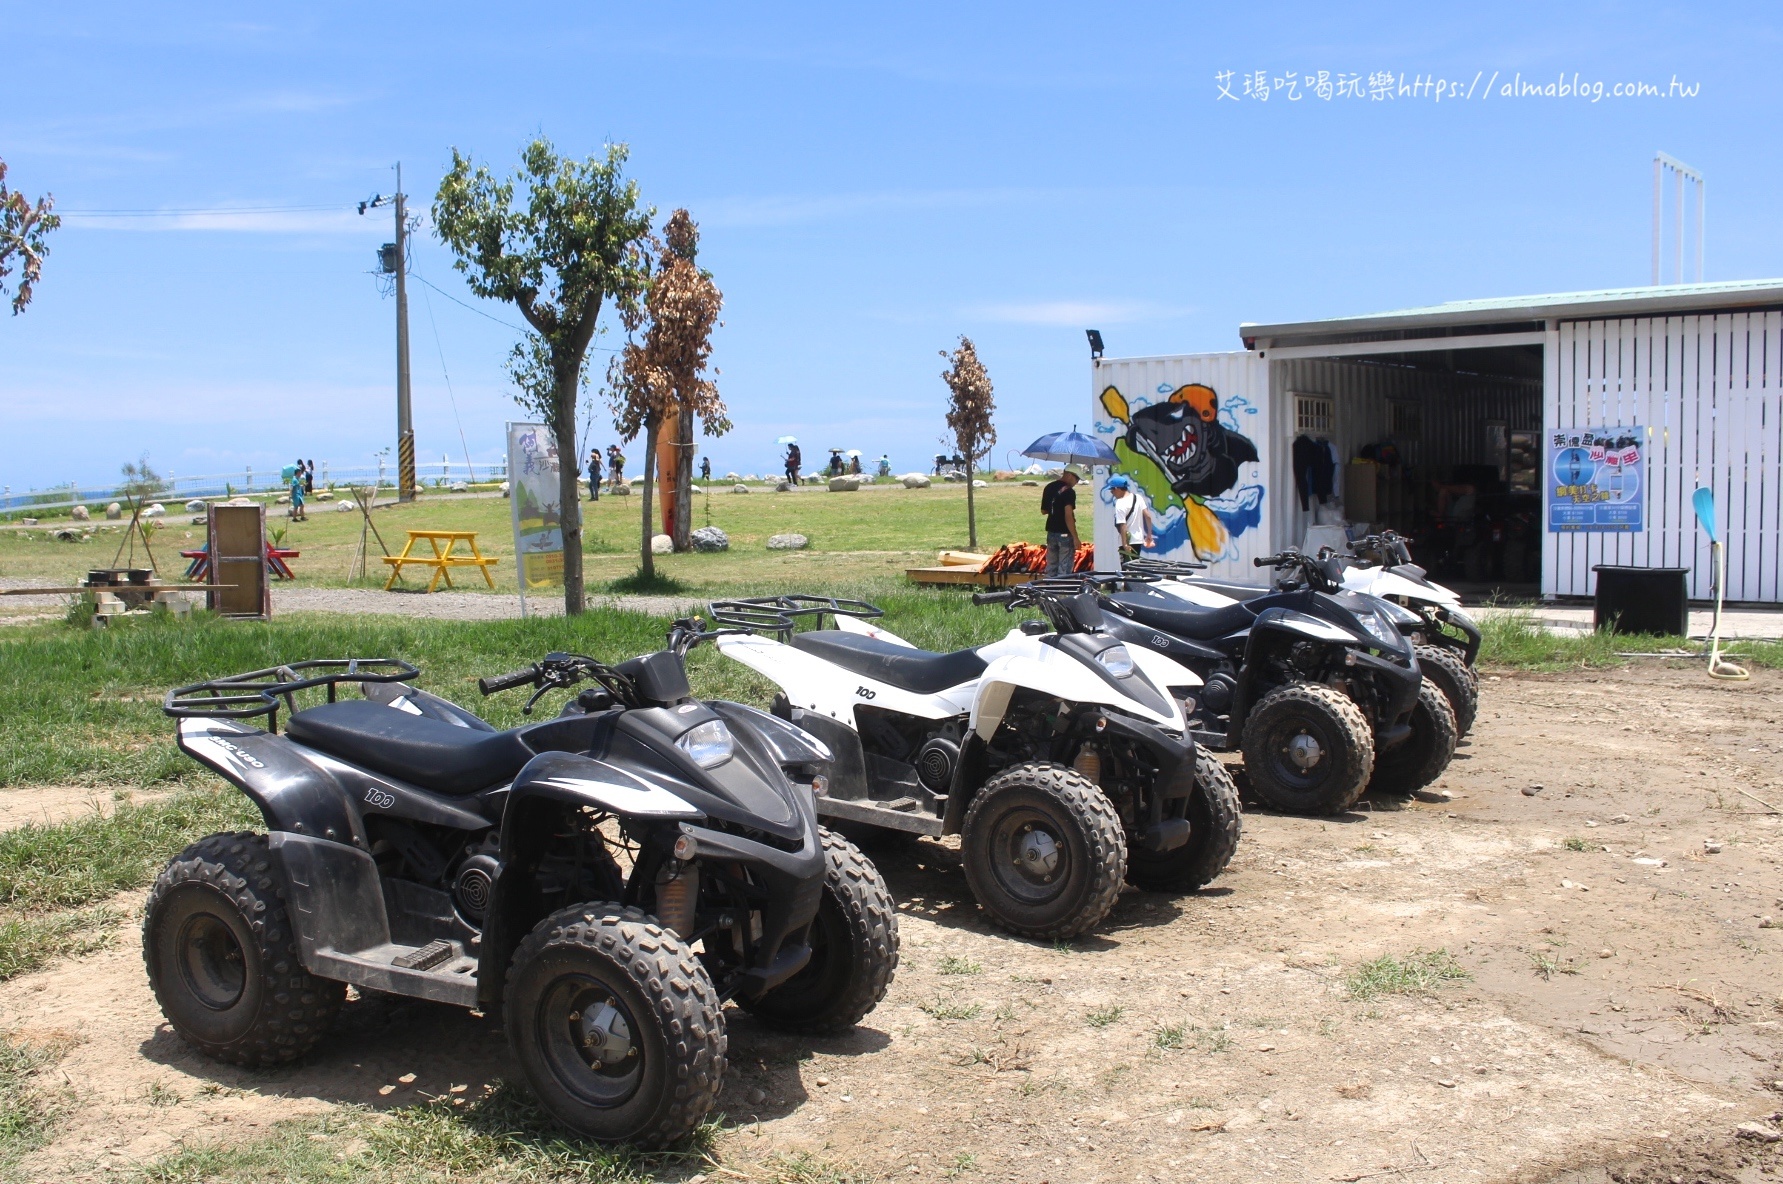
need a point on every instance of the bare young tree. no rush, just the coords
(23, 225)
(657, 379)
(969, 409)
(577, 237)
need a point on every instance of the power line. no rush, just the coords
(437, 344)
(516, 328)
(181, 213)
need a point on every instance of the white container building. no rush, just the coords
(1520, 441)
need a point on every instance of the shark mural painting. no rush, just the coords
(1185, 451)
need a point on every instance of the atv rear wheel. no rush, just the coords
(222, 956)
(854, 949)
(1043, 851)
(1451, 676)
(1308, 749)
(1214, 826)
(615, 1025)
(1423, 757)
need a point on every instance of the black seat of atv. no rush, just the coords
(427, 752)
(1169, 615)
(917, 671)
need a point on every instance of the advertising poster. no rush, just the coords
(1595, 477)
(537, 504)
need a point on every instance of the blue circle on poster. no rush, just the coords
(1574, 466)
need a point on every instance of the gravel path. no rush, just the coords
(439, 606)
(460, 606)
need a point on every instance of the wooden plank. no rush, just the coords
(967, 575)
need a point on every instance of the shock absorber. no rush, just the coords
(1088, 764)
(677, 894)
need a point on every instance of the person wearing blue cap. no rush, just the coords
(1132, 517)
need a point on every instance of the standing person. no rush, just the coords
(594, 474)
(795, 460)
(616, 465)
(1132, 516)
(854, 466)
(297, 494)
(1058, 501)
(705, 468)
(884, 465)
(309, 478)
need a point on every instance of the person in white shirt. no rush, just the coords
(1132, 516)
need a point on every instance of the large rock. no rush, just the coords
(844, 484)
(620, 491)
(155, 511)
(326, 495)
(953, 476)
(979, 484)
(710, 538)
(739, 487)
(344, 506)
(783, 486)
(916, 481)
(788, 542)
(733, 476)
(1034, 484)
(504, 489)
(195, 506)
(80, 514)
(114, 511)
(661, 544)
(460, 487)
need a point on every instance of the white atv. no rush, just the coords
(1055, 753)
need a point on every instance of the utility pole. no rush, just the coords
(393, 259)
(405, 425)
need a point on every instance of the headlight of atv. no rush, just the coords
(709, 744)
(1379, 629)
(1460, 618)
(1116, 660)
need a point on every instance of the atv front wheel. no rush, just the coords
(1424, 756)
(854, 949)
(1043, 851)
(222, 956)
(1308, 749)
(615, 1025)
(1214, 826)
(1451, 676)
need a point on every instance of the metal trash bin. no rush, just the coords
(1642, 600)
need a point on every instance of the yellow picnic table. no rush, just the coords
(441, 561)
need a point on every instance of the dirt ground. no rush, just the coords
(1625, 1009)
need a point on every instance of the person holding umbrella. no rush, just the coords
(1058, 501)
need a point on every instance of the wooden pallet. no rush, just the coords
(967, 575)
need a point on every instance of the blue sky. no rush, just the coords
(871, 182)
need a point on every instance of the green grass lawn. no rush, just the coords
(875, 532)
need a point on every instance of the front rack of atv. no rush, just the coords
(780, 615)
(244, 696)
(1163, 568)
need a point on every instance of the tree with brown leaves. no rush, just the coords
(23, 225)
(577, 237)
(657, 379)
(969, 410)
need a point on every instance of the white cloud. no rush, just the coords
(1075, 313)
(235, 221)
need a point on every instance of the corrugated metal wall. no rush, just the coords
(1241, 380)
(1708, 390)
(1455, 409)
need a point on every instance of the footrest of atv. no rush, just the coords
(876, 814)
(419, 972)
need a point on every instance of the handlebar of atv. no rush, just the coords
(1003, 597)
(507, 682)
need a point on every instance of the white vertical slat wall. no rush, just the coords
(1241, 380)
(1708, 389)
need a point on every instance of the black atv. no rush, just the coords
(1316, 686)
(609, 877)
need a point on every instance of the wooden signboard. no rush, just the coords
(238, 558)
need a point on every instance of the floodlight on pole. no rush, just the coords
(1663, 165)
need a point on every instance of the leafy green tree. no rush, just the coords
(970, 406)
(557, 239)
(23, 225)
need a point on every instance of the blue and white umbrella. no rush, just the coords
(1071, 448)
